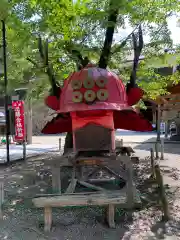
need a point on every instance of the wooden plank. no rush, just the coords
(101, 180)
(91, 186)
(120, 175)
(72, 186)
(110, 197)
(91, 160)
(59, 194)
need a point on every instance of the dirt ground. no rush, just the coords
(22, 221)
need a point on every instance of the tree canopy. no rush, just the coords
(77, 29)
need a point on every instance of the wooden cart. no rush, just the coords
(94, 150)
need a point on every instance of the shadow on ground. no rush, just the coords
(169, 147)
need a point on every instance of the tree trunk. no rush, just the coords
(68, 142)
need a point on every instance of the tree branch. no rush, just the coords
(32, 61)
(112, 20)
(123, 43)
(80, 61)
(40, 48)
(43, 51)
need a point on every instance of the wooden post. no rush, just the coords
(162, 194)
(59, 144)
(110, 215)
(157, 150)
(162, 149)
(56, 179)
(24, 150)
(166, 129)
(1, 196)
(47, 219)
(158, 123)
(152, 163)
(129, 184)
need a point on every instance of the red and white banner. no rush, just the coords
(18, 107)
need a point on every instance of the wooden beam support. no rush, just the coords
(110, 213)
(162, 194)
(72, 186)
(97, 198)
(91, 186)
(47, 219)
(56, 179)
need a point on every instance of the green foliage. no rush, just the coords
(81, 25)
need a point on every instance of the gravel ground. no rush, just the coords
(23, 181)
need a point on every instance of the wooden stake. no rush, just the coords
(59, 144)
(24, 150)
(56, 179)
(1, 197)
(157, 150)
(162, 194)
(152, 163)
(166, 129)
(47, 219)
(110, 215)
(129, 184)
(162, 149)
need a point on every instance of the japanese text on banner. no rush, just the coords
(18, 107)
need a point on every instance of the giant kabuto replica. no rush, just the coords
(95, 98)
(91, 105)
(94, 103)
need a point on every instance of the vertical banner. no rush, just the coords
(18, 107)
